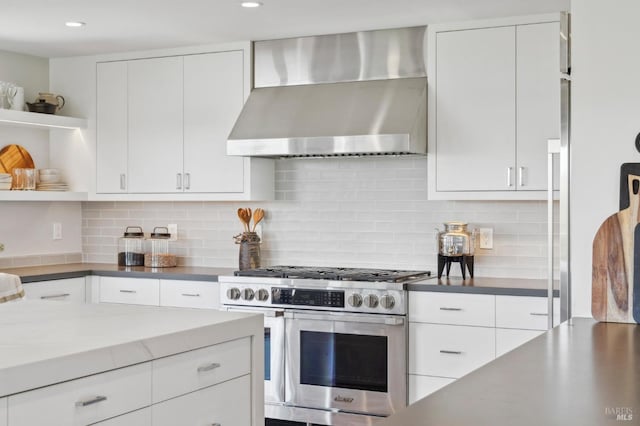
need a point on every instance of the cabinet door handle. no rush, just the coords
(178, 180)
(208, 367)
(520, 176)
(94, 400)
(216, 424)
(450, 309)
(191, 294)
(509, 170)
(444, 351)
(55, 296)
(123, 181)
(539, 314)
(128, 291)
(187, 181)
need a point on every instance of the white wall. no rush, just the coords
(605, 121)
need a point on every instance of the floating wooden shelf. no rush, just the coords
(42, 196)
(34, 119)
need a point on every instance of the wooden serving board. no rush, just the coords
(613, 273)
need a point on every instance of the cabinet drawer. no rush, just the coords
(508, 339)
(189, 294)
(84, 401)
(449, 350)
(524, 312)
(421, 386)
(189, 371)
(136, 418)
(456, 309)
(226, 404)
(68, 290)
(3, 411)
(135, 291)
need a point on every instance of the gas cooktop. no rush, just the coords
(335, 274)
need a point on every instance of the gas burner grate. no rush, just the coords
(335, 274)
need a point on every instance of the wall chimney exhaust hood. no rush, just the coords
(346, 94)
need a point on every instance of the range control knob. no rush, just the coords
(233, 293)
(371, 301)
(247, 294)
(387, 301)
(262, 295)
(355, 300)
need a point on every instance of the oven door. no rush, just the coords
(273, 352)
(348, 362)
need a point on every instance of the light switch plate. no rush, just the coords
(486, 238)
(57, 231)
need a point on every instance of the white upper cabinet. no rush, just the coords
(494, 91)
(111, 151)
(155, 125)
(213, 98)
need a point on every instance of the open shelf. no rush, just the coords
(33, 119)
(42, 196)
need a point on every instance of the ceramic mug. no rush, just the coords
(15, 96)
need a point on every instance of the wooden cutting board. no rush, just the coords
(614, 261)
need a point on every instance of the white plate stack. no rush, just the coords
(50, 180)
(5, 181)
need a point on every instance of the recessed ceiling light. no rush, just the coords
(75, 24)
(251, 4)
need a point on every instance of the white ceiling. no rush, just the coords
(36, 27)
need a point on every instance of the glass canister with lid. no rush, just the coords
(131, 247)
(159, 253)
(455, 240)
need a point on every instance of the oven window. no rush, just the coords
(350, 361)
(267, 353)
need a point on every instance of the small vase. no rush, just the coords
(249, 256)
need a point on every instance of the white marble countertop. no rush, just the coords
(44, 342)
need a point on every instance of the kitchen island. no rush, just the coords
(580, 373)
(81, 364)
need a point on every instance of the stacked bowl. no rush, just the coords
(50, 180)
(5, 181)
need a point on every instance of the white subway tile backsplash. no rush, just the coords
(366, 212)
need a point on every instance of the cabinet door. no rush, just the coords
(190, 294)
(213, 98)
(135, 418)
(111, 117)
(133, 291)
(421, 386)
(475, 110)
(538, 100)
(228, 403)
(509, 339)
(155, 125)
(67, 290)
(3, 411)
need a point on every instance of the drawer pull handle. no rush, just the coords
(93, 400)
(216, 424)
(55, 296)
(539, 314)
(191, 294)
(128, 291)
(443, 351)
(450, 309)
(208, 367)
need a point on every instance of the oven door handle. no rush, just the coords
(361, 318)
(271, 313)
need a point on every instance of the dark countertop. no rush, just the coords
(579, 373)
(484, 285)
(74, 270)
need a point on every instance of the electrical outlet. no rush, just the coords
(173, 230)
(57, 231)
(486, 238)
(1, 247)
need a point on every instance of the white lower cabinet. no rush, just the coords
(136, 418)
(226, 404)
(530, 313)
(3, 411)
(134, 291)
(509, 339)
(421, 386)
(66, 290)
(84, 401)
(189, 294)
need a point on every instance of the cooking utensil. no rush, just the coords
(613, 260)
(241, 216)
(258, 215)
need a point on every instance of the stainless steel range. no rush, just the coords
(335, 340)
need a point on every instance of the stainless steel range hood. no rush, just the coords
(347, 94)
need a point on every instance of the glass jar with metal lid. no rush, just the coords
(131, 247)
(159, 253)
(455, 240)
